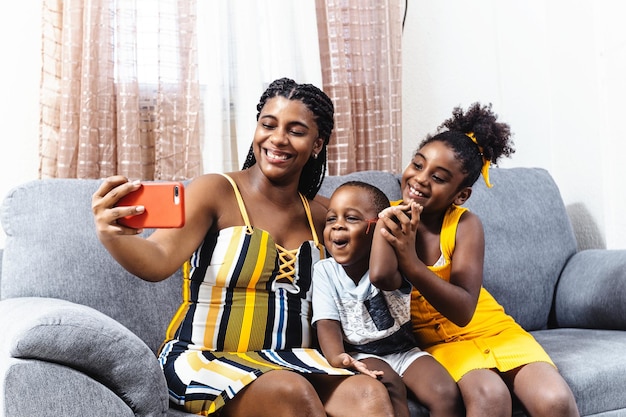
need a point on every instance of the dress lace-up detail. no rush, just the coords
(286, 266)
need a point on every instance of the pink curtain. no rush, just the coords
(360, 48)
(100, 115)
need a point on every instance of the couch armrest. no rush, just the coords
(84, 339)
(591, 291)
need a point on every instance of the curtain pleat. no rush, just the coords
(99, 117)
(360, 49)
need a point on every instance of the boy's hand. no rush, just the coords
(349, 362)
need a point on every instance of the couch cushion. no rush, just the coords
(592, 290)
(84, 339)
(528, 240)
(592, 363)
(52, 251)
(387, 182)
(35, 388)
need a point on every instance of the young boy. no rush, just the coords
(366, 329)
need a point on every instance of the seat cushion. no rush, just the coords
(592, 362)
(84, 339)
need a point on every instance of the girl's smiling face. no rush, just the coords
(286, 137)
(433, 178)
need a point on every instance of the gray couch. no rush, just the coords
(79, 333)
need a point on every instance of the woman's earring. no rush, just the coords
(314, 156)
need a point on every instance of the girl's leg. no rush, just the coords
(394, 384)
(542, 390)
(277, 393)
(433, 386)
(485, 394)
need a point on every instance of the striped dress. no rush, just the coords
(246, 310)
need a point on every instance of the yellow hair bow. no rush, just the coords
(486, 162)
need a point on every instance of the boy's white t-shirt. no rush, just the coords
(373, 321)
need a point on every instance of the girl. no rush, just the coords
(439, 247)
(240, 343)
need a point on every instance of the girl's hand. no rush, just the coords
(400, 232)
(105, 212)
(400, 226)
(351, 363)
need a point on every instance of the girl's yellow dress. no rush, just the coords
(491, 340)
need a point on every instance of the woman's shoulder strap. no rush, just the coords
(242, 206)
(309, 216)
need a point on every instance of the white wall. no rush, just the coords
(553, 70)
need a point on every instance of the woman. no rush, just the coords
(249, 244)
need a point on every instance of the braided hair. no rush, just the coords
(323, 112)
(493, 139)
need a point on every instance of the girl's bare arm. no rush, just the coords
(455, 299)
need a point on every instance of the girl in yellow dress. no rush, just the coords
(439, 247)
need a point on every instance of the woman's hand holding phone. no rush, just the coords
(163, 205)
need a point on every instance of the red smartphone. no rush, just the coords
(164, 203)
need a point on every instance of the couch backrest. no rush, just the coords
(528, 236)
(52, 250)
(528, 240)
(388, 183)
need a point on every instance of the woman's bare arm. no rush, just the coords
(164, 251)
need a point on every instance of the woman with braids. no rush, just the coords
(439, 247)
(248, 244)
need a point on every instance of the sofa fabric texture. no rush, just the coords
(80, 333)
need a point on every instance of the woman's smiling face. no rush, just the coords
(286, 137)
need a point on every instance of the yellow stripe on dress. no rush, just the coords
(262, 275)
(215, 308)
(248, 314)
(262, 363)
(197, 362)
(184, 306)
(313, 357)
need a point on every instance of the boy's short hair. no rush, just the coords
(378, 198)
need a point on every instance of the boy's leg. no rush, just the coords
(433, 386)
